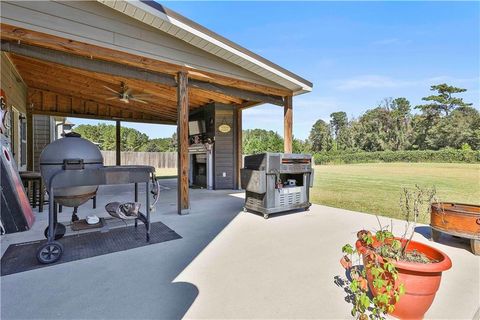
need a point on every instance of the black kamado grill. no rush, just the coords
(72, 169)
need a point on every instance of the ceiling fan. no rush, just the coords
(125, 94)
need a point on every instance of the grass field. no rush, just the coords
(166, 173)
(375, 187)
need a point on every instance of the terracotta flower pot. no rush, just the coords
(346, 262)
(421, 280)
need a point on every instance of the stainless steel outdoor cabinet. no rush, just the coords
(277, 182)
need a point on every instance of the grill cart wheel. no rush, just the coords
(49, 252)
(265, 216)
(60, 231)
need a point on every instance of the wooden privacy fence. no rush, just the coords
(154, 159)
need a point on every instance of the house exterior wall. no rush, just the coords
(13, 85)
(97, 24)
(224, 148)
(16, 94)
(43, 126)
(41, 137)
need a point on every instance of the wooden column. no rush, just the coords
(287, 125)
(182, 141)
(29, 140)
(118, 140)
(238, 145)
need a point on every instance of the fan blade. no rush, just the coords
(110, 89)
(138, 100)
(112, 98)
(127, 92)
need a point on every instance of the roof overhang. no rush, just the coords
(176, 25)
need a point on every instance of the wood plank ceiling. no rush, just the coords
(72, 84)
(41, 76)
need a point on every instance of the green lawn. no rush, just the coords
(166, 173)
(375, 187)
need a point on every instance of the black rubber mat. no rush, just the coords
(21, 257)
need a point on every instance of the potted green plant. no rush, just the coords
(403, 275)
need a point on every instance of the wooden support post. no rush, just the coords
(182, 141)
(29, 140)
(238, 145)
(118, 140)
(287, 125)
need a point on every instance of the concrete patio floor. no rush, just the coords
(229, 264)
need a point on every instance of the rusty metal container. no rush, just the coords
(456, 219)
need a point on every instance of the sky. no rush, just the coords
(355, 53)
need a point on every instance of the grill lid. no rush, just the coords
(72, 146)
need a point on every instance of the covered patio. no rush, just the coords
(92, 59)
(228, 264)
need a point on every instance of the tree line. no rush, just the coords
(443, 121)
(104, 135)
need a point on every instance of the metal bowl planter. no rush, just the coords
(461, 220)
(421, 280)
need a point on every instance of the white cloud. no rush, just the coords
(370, 81)
(378, 82)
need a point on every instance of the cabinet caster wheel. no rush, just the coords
(435, 235)
(60, 231)
(265, 216)
(50, 252)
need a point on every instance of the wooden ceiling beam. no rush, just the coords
(93, 65)
(119, 70)
(235, 92)
(196, 97)
(66, 106)
(87, 88)
(151, 88)
(214, 96)
(46, 86)
(97, 117)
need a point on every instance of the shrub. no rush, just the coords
(444, 155)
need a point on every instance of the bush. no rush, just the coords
(444, 155)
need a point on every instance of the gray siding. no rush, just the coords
(12, 84)
(224, 149)
(41, 137)
(16, 93)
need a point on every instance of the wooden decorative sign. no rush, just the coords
(224, 128)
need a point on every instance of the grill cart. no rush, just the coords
(277, 182)
(72, 169)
